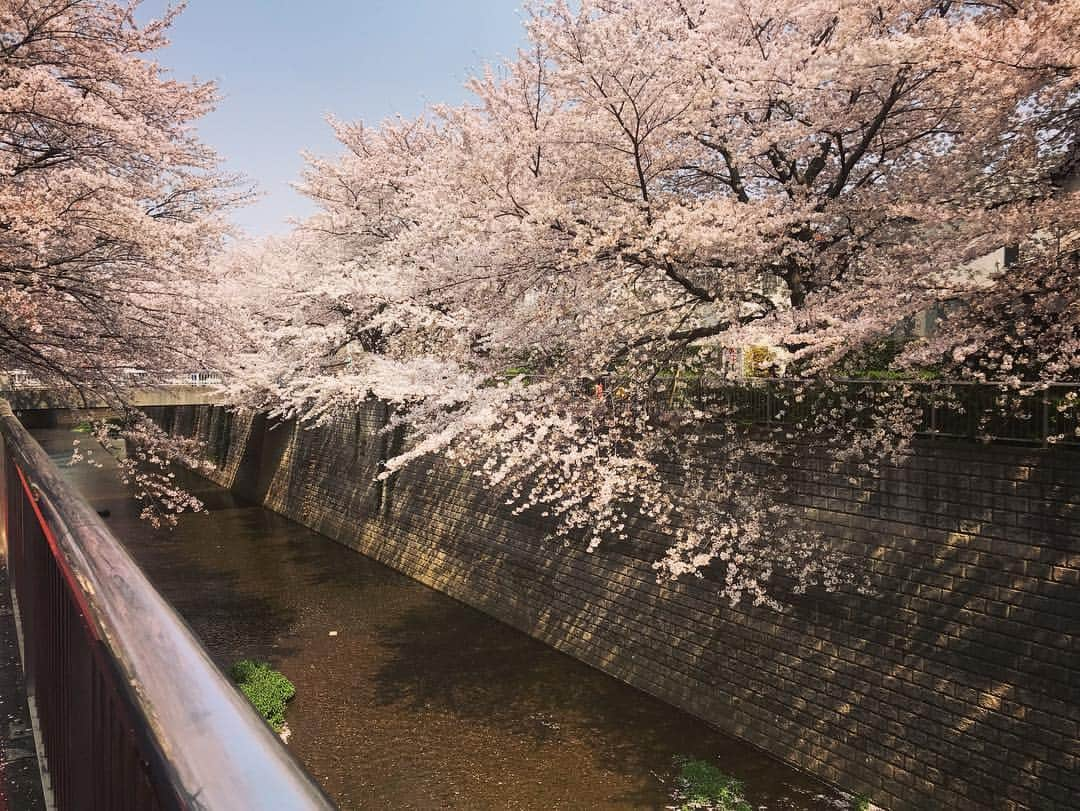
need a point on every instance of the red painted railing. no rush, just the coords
(132, 713)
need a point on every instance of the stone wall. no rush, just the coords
(955, 685)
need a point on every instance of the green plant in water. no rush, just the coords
(700, 786)
(267, 689)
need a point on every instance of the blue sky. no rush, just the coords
(283, 65)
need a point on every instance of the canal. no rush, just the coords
(407, 699)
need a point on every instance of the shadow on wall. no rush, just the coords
(960, 663)
(948, 688)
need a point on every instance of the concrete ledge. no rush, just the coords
(148, 396)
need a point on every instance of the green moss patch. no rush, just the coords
(700, 786)
(267, 689)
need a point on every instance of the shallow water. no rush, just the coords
(418, 702)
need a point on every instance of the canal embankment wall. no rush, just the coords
(954, 685)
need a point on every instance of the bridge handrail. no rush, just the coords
(200, 743)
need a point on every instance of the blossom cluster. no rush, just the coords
(144, 456)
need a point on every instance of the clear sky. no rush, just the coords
(283, 65)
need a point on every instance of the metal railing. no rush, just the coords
(948, 408)
(22, 380)
(132, 713)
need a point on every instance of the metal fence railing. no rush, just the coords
(1043, 414)
(131, 712)
(22, 380)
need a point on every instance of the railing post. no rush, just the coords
(1046, 417)
(933, 410)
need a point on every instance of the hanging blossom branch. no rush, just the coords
(144, 456)
(594, 470)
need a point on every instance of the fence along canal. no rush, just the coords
(131, 712)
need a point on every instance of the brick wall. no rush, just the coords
(955, 685)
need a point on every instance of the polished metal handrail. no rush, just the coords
(133, 712)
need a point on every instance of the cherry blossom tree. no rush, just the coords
(110, 207)
(648, 183)
(110, 211)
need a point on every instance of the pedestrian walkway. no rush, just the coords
(20, 780)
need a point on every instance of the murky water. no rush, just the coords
(417, 702)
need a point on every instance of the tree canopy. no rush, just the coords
(110, 207)
(646, 186)
(650, 181)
